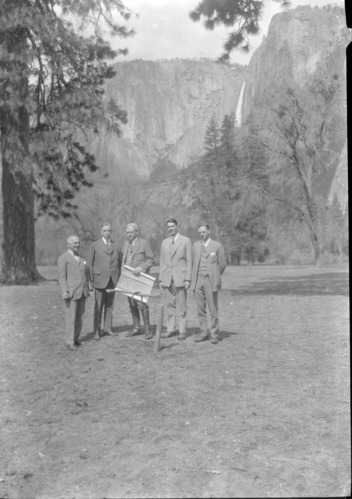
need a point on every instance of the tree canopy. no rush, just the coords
(53, 62)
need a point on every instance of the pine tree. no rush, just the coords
(245, 15)
(212, 143)
(51, 98)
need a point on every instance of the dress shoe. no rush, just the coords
(168, 334)
(71, 347)
(182, 336)
(107, 333)
(78, 343)
(214, 341)
(97, 336)
(148, 335)
(132, 332)
(200, 338)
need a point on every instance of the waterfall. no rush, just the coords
(238, 114)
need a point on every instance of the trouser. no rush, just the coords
(204, 295)
(74, 313)
(137, 306)
(175, 304)
(103, 301)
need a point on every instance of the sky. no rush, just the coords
(164, 30)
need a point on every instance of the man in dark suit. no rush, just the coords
(209, 263)
(104, 263)
(175, 277)
(137, 254)
(75, 287)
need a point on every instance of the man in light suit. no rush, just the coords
(137, 254)
(208, 265)
(75, 287)
(175, 277)
(104, 263)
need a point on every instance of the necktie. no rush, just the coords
(108, 244)
(172, 240)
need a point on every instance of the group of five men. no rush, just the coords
(181, 268)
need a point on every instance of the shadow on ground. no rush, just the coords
(333, 283)
(121, 331)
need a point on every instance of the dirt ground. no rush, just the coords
(264, 413)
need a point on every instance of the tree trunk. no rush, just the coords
(319, 258)
(18, 250)
(18, 246)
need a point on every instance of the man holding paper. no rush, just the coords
(138, 254)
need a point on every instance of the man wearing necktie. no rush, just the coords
(175, 277)
(75, 287)
(104, 263)
(138, 254)
(209, 263)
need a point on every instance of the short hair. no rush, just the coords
(106, 224)
(203, 224)
(171, 221)
(71, 238)
(132, 226)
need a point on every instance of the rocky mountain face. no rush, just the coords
(170, 103)
(298, 44)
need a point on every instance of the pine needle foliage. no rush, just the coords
(243, 15)
(50, 71)
(53, 63)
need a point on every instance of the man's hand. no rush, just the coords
(187, 284)
(137, 270)
(65, 295)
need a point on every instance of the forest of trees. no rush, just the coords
(255, 185)
(51, 96)
(257, 204)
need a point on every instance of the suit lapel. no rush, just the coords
(209, 248)
(198, 252)
(125, 249)
(136, 246)
(103, 246)
(71, 257)
(176, 245)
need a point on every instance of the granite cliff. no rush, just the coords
(299, 43)
(170, 103)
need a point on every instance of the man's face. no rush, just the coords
(106, 232)
(172, 228)
(203, 233)
(73, 245)
(131, 234)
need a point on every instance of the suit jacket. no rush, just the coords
(142, 255)
(73, 276)
(103, 263)
(175, 261)
(216, 263)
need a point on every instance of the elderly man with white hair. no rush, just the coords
(75, 287)
(138, 254)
